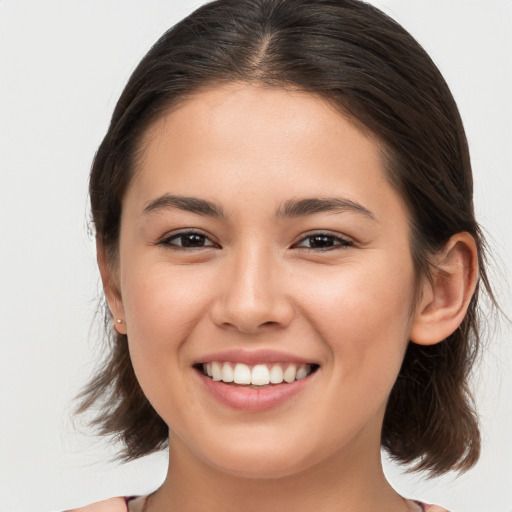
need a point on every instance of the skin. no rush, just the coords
(255, 281)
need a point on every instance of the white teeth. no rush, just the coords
(258, 375)
(302, 372)
(276, 374)
(242, 374)
(227, 373)
(216, 371)
(290, 373)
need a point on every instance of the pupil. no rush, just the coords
(192, 240)
(321, 241)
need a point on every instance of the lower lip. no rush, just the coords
(252, 399)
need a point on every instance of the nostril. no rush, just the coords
(251, 312)
(246, 327)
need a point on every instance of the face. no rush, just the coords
(260, 234)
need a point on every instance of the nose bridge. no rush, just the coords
(253, 295)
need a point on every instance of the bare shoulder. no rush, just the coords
(110, 505)
(435, 508)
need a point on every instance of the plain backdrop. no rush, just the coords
(62, 67)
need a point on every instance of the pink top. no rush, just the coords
(122, 505)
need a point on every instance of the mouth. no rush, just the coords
(256, 376)
(254, 381)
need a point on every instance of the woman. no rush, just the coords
(288, 249)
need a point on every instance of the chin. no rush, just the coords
(260, 461)
(252, 469)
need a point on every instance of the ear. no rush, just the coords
(445, 298)
(109, 280)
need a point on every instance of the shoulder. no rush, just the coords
(110, 505)
(432, 508)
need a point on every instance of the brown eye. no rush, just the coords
(323, 241)
(188, 240)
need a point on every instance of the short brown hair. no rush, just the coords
(368, 66)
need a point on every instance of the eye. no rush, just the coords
(323, 241)
(188, 240)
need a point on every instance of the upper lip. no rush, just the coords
(255, 356)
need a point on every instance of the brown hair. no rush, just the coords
(369, 67)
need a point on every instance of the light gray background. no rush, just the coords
(62, 67)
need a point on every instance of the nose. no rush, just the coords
(252, 294)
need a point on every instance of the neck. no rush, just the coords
(344, 481)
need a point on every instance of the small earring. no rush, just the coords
(119, 321)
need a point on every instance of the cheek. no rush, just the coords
(363, 316)
(162, 308)
(159, 299)
(363, 320)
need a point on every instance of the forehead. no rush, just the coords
(259, 113)
(223, 142)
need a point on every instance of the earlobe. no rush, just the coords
(110, 287)
(446, 297)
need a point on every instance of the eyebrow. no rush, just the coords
(188, 204)
(310, 206)
(291, 208)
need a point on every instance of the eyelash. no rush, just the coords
(338, 241)
(168, 240)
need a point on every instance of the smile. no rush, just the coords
(265, 380)
(258, 374)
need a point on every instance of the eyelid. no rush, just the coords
(165, 240)
(343, 240)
